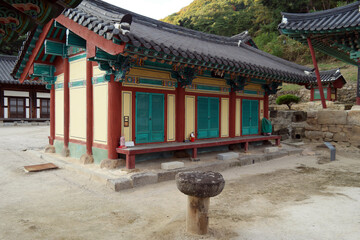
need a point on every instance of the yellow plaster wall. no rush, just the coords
(97, 72)
(238, 118)
(78, 70)
(78, 113)
(59, 107)
(126, 111)
(171, 117)
(100, 94)
(149, 73)
(189, 115)
(261, 109)
(224, 117)
(210, 81)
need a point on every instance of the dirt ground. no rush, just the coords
(295, 197)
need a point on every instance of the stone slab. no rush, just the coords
(172, 165)
(141, 179)
(332, 117)
(271, 149)
(275, 155)
(227, 156)
(119, 184)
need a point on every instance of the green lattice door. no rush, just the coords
(149, 118)
(250, 117)
(208, 117)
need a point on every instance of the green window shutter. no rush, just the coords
(203, 117)
(316, 94)
(254, 117)
(213, 118)
(142, 117)
(250, 117)
(157, 118)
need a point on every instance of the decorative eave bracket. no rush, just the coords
(237, 84)
(184, 75)
(272, 88)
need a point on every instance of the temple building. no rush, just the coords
(114, 73)
(27, 102)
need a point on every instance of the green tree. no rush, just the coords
(288, 100)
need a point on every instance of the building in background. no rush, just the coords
(29, 101)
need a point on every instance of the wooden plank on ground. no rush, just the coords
(40, 167)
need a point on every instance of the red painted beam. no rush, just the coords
(91, 37)
(36, 50)
(317, 73)
(89, 102)
(52, 115)
(66, 102)
(114, 117)
(232, 113)
(266, 106)
(180, 114)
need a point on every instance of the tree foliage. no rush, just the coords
(259, 17)
(288, 100)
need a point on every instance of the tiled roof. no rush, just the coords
(7, 63)
(154, 35)
(342, 17)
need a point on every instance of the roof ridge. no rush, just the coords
(323, 13)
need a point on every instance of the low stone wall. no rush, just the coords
(336, 126)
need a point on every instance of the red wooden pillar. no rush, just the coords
(66, 102)
(317, 73)
(232, 113)
(89, 107)
(312, 94)
(180, 114)
(52, 115)
(266, 106)
(114, 117)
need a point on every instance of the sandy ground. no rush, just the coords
(289, 198)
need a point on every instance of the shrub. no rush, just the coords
(287, 99)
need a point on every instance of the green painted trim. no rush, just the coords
(59, 145)
(96, 80)
(76, 150)
(78, 83)
(59, 85)
(150, 81)
(99, 154)
(208, 88)
(255, 80)
(250, 92)
(77, 57)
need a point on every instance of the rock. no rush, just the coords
(314, 134)
(141, 179)
(86, 159)
(340, 137)
(332, 117)
(354, 137)
(227, 156)
(50, 149)
(172, 165)
(271, 149)
(112, 163)
(65, 152)
(119, 184)
(354, 117)
(200, 184)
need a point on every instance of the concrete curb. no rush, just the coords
(152, 177)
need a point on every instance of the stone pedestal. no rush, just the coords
(86, 159)
(65, 152)
(112, 163)
(49, 149)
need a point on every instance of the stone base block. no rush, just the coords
(49, 149)
(65, 152)
(172, 165)
(112, 163)
(271, 149)
(119, 184)
(227, 156)
(86, 159)
(195, 159)
(142, 179)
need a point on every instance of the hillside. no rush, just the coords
(259, 17)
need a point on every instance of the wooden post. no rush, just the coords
(266, 106)
(114, 117)
(312, 94)
(33, 105)
(232, 113)
(197, 220)
(180, 114)
(317, 73)
(66, 106)
(52, 115)
(89, 107)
